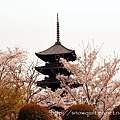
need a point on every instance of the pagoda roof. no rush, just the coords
(55, 52)
(50, 83)
(53, 70)
(57, 48)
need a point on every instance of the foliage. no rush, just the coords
(33, 112)
(10, 101)
(80, 112)
(115, 115)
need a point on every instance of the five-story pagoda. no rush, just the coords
(52, 66)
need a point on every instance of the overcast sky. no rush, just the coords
(31, 24)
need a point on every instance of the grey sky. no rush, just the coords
(31, 24)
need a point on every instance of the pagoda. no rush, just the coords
(51, 57)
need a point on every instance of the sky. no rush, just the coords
(31, 24)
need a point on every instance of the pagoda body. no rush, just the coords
(51, 57)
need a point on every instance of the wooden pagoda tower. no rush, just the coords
(52, 66)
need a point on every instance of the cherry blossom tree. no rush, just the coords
(17, 81)
(93, 80)
(12, 66)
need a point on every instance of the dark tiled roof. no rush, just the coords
(57, 48)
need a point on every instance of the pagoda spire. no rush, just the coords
(58, 31)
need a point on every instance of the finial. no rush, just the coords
(57, 18)
(58, 32)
